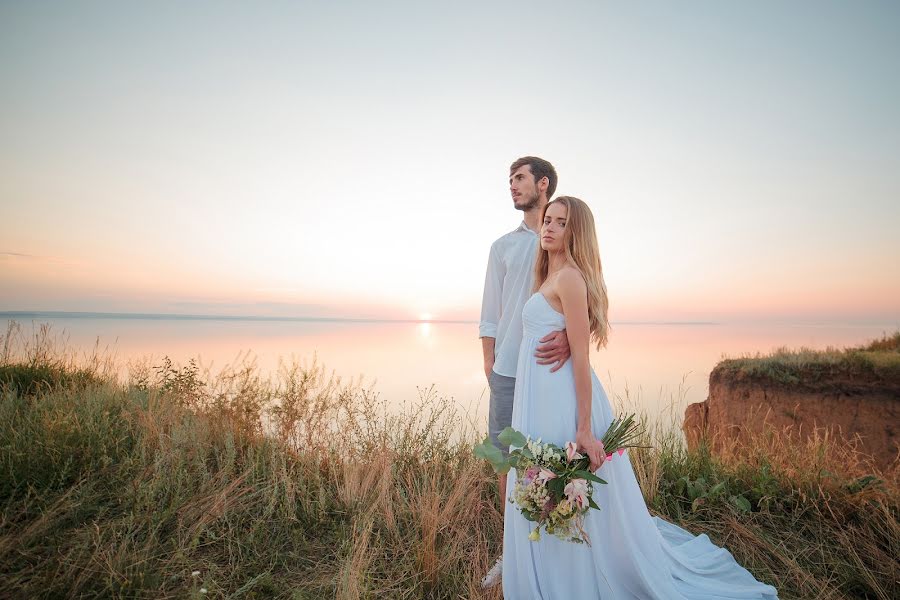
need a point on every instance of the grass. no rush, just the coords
(876, 363)
(119, 489)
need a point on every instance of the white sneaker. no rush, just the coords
(493, 576)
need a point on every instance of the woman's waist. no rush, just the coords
(535, 331)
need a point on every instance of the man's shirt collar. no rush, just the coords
(523, 227)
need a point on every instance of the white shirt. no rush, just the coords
(507, 285)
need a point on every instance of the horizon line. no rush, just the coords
(149, 316)
(204, 317)
(51, 314)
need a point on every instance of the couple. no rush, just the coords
(544, 305)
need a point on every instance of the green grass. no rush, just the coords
(874, 364)
(32, 379)
(123, 489)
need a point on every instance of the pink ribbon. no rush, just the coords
(621, 451)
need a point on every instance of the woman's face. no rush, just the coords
(554, 227)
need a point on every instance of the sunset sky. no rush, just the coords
(350, 159)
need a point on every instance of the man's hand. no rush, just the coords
(555, 349)
(487, 351)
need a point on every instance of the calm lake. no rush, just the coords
(654, 365)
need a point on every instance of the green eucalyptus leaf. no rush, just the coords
(487, 451)
(511, 437)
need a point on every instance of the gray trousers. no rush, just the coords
(500, 407)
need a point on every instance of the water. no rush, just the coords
(655, 365)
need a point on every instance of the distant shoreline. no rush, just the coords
(189, 317)
(61, 314)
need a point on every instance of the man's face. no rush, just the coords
(523, 188)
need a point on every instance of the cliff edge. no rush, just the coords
(854, 392)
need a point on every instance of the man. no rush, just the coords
(507, 285)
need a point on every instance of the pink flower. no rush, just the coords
(572, 452)
(531, 473)
(576, 491)
(544, 476)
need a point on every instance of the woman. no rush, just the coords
(633, 555)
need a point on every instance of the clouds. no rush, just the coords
(33, 261)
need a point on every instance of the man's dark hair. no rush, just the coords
(540, 168)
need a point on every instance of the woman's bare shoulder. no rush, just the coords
(570, 276)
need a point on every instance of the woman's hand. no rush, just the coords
(592, 447)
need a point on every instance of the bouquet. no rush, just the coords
(554, 486)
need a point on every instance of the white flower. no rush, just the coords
(195, 574)
(202, 590)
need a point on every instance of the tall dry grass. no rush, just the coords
(815, 517)
(306, 486)
(300, 485)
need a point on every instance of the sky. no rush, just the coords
(350, 159)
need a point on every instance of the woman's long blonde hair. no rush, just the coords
(580, 242)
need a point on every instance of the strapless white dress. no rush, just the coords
(633, 554)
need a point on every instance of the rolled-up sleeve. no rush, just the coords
(490, 300)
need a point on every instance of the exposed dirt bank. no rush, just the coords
(851, 406)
